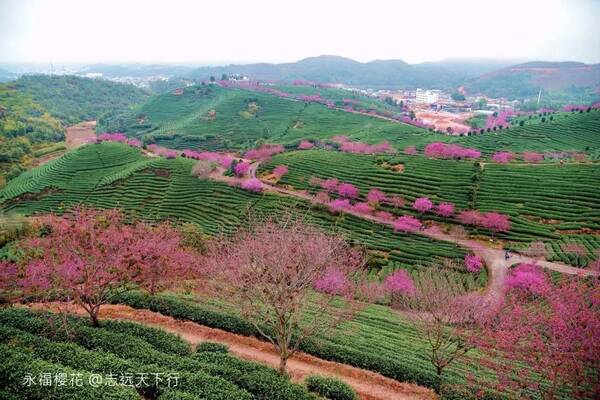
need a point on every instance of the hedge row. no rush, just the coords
(102, 350)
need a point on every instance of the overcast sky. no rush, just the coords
(278, 30)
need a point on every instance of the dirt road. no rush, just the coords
(80, 134)
(369, 385)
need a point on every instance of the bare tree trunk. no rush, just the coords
(94, 316)
(282, 365)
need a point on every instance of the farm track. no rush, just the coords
(369, 385)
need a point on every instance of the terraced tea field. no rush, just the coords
(550, 202)
(114, 175)
(211, 117)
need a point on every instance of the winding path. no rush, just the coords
(494, 258)
(369, 385)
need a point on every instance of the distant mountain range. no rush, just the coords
(379, 73)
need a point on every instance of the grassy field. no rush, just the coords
(547, 202)
(114, 175)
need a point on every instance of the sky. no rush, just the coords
(178, 31)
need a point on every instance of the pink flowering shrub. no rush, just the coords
(112, 137)
(410, 151)
(348, 190)
(469, 217)
(532, 157)
(503, 157)
(305, 145)
(264, 151)
(362, 208)
(384, 215)
(399, 282)
(333, 282)
(363, 148)
(330, 185)
(446, 151)
(407, 223)
(445, 210)
(422, 204)
(473, 263)
(242, 168)
(376, 196)
(528, 277)
(496, 222)
(396, 201)
(252, 185)
(337, 205)
(134, 142)
(280, 170)
(340, 139)
(224, 160)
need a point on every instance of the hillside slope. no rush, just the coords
(525, 80)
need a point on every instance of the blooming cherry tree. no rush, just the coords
(422, 204)
(348, 190)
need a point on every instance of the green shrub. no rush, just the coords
(177, 395)
(330, 388)
(211, 347)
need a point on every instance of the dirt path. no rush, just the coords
(494, 259)
(80, 134)
(369, 385)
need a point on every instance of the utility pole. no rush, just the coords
(539, 97)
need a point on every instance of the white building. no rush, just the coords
(427, 96)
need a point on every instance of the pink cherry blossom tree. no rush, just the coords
(376, 196)
(469, 217)
(422, 204)
(407, 223)
(280, 170)
(338, 205)
(348, 191)
(305, 145)
(253, 185)
(269, 272)
(445, 210)
(362, 208)
(241, 168)
(495, 222)
(532, 157)
(546, 342)
(473, 263)
(91, 256)
(503, 157)
(330, 185)
(410, 151)
(444, 313)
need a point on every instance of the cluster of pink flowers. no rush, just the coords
(348, 190)
(162, 151)
(399, 282)
(112, 137)
(526, 277)
(252, 185)
(501, 120)
(242, 168)
(330, 185)
(532, 157)
(493, 221)
(443, 150)
(119, 138)
(423, 204)
(362, 208)
(473, 263)
(280, 171)
(445, 210)
(503, 157)
(224, 160)
(264, 151)
(376, 196)
(333, 282)
(407, 223)
(305, 145)
(364, 148)
(337, 205)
